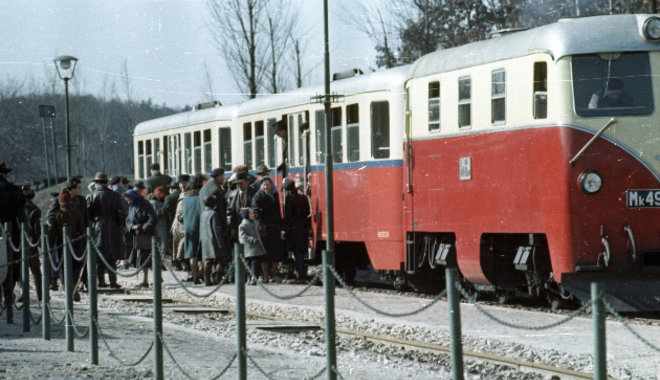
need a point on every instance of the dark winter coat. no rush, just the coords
(271, 218)
(141, 213)
(107, 215)
(191, 215)
(213, 223)
(70, 218)
(33, 221)
(297, 222)
(171, 201)
(157, 180)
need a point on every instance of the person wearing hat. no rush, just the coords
(116, 185)
(12, 203)
(69, 217)
(612, 96)
(191, 225)
(271, 218)
(139, 186)
(213, 226)
(297, 224)
(262, 171)
(106, 217)
(141, 220)
(33, 232)
(157, 179)
(240, 198)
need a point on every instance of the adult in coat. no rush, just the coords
(33, 232)
(12, 202)
(191, 217)
(297, 224)
(213, 226)
(271, 219)
(141, 220)
(106, 217)
(157, 179)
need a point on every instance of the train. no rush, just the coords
(501, 158)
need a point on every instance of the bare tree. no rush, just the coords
(281, 22)
(207, 83)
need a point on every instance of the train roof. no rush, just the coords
(181, 119)
(387, 80)
(565, 37)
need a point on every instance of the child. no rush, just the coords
(249, 235)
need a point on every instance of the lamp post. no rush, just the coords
(47, 112)
(66, 66)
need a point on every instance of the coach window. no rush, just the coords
(302, 118)
(498, 96)
(140, 159)
(434, 107)
(464, 101)
(290, 138)
(337, 145)
(174, 152)
(259, 142)
(149, 154)
(187, 153)
(380, 129)
(165, 156)
(353, 132)
(540, 90)
(247, 144)
(320, 136)
(198, 151)
(225, 148)
(157, 150)
(270, 136)
(208, 153)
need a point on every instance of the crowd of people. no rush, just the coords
(194, 221)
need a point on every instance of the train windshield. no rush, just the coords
(612, 84)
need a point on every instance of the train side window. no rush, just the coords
(290, 142)
(187, 154)
(498, 96)
(149, 155)
(174, 154)
(464, 101)
(140, 159)
(353, 132)
(247, 144)
(197, 138)
(166, 155)
(337, 144)
(225, 148)
(302, 117)
(157, 150)
(270, 136)
(380, 129)
(320, 136)
(208, 153)
(434, 106)
(540, 90)
(259, 142)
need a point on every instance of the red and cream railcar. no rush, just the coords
(519, 175)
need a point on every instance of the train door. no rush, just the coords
(408, 193)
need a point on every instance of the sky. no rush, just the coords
(165, 45)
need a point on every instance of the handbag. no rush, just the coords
(142, 242)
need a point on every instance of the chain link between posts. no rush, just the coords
(75, 329)
(224, 280)
(176, 363)
(52, 316)
(27, 239)
(288, 297)
(628, 327)
(73, 254)
(112, 353)
(382, 312)
(483, 311)
(147, 261)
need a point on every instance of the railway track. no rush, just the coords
(524, 366)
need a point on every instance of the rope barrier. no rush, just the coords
(521, 327)
(379, 311)
(112, 353)
(291, 296)
(169, 353)
(147, 261)
(627, 326)
(186, 288)
(75, 329)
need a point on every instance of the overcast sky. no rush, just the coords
(165, 44)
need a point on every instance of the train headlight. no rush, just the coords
(590, 182)
(651, 28)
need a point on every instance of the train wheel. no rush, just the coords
(555, 302)
(504, 297)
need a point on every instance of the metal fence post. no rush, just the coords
(330, 333)
(25, 280)
(451, 275)
(45, 281)
(239, 274)
(158, 311)
(68, 288)
(93, 302)
(598, 311)
(9, 279)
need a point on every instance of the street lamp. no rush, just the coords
(48, 112)
(66, 65)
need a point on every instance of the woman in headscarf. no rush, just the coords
(271, 219)
(191, 216)
(141, 220)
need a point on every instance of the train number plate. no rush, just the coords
(643, 198)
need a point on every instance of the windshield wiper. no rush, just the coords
(591, 141)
